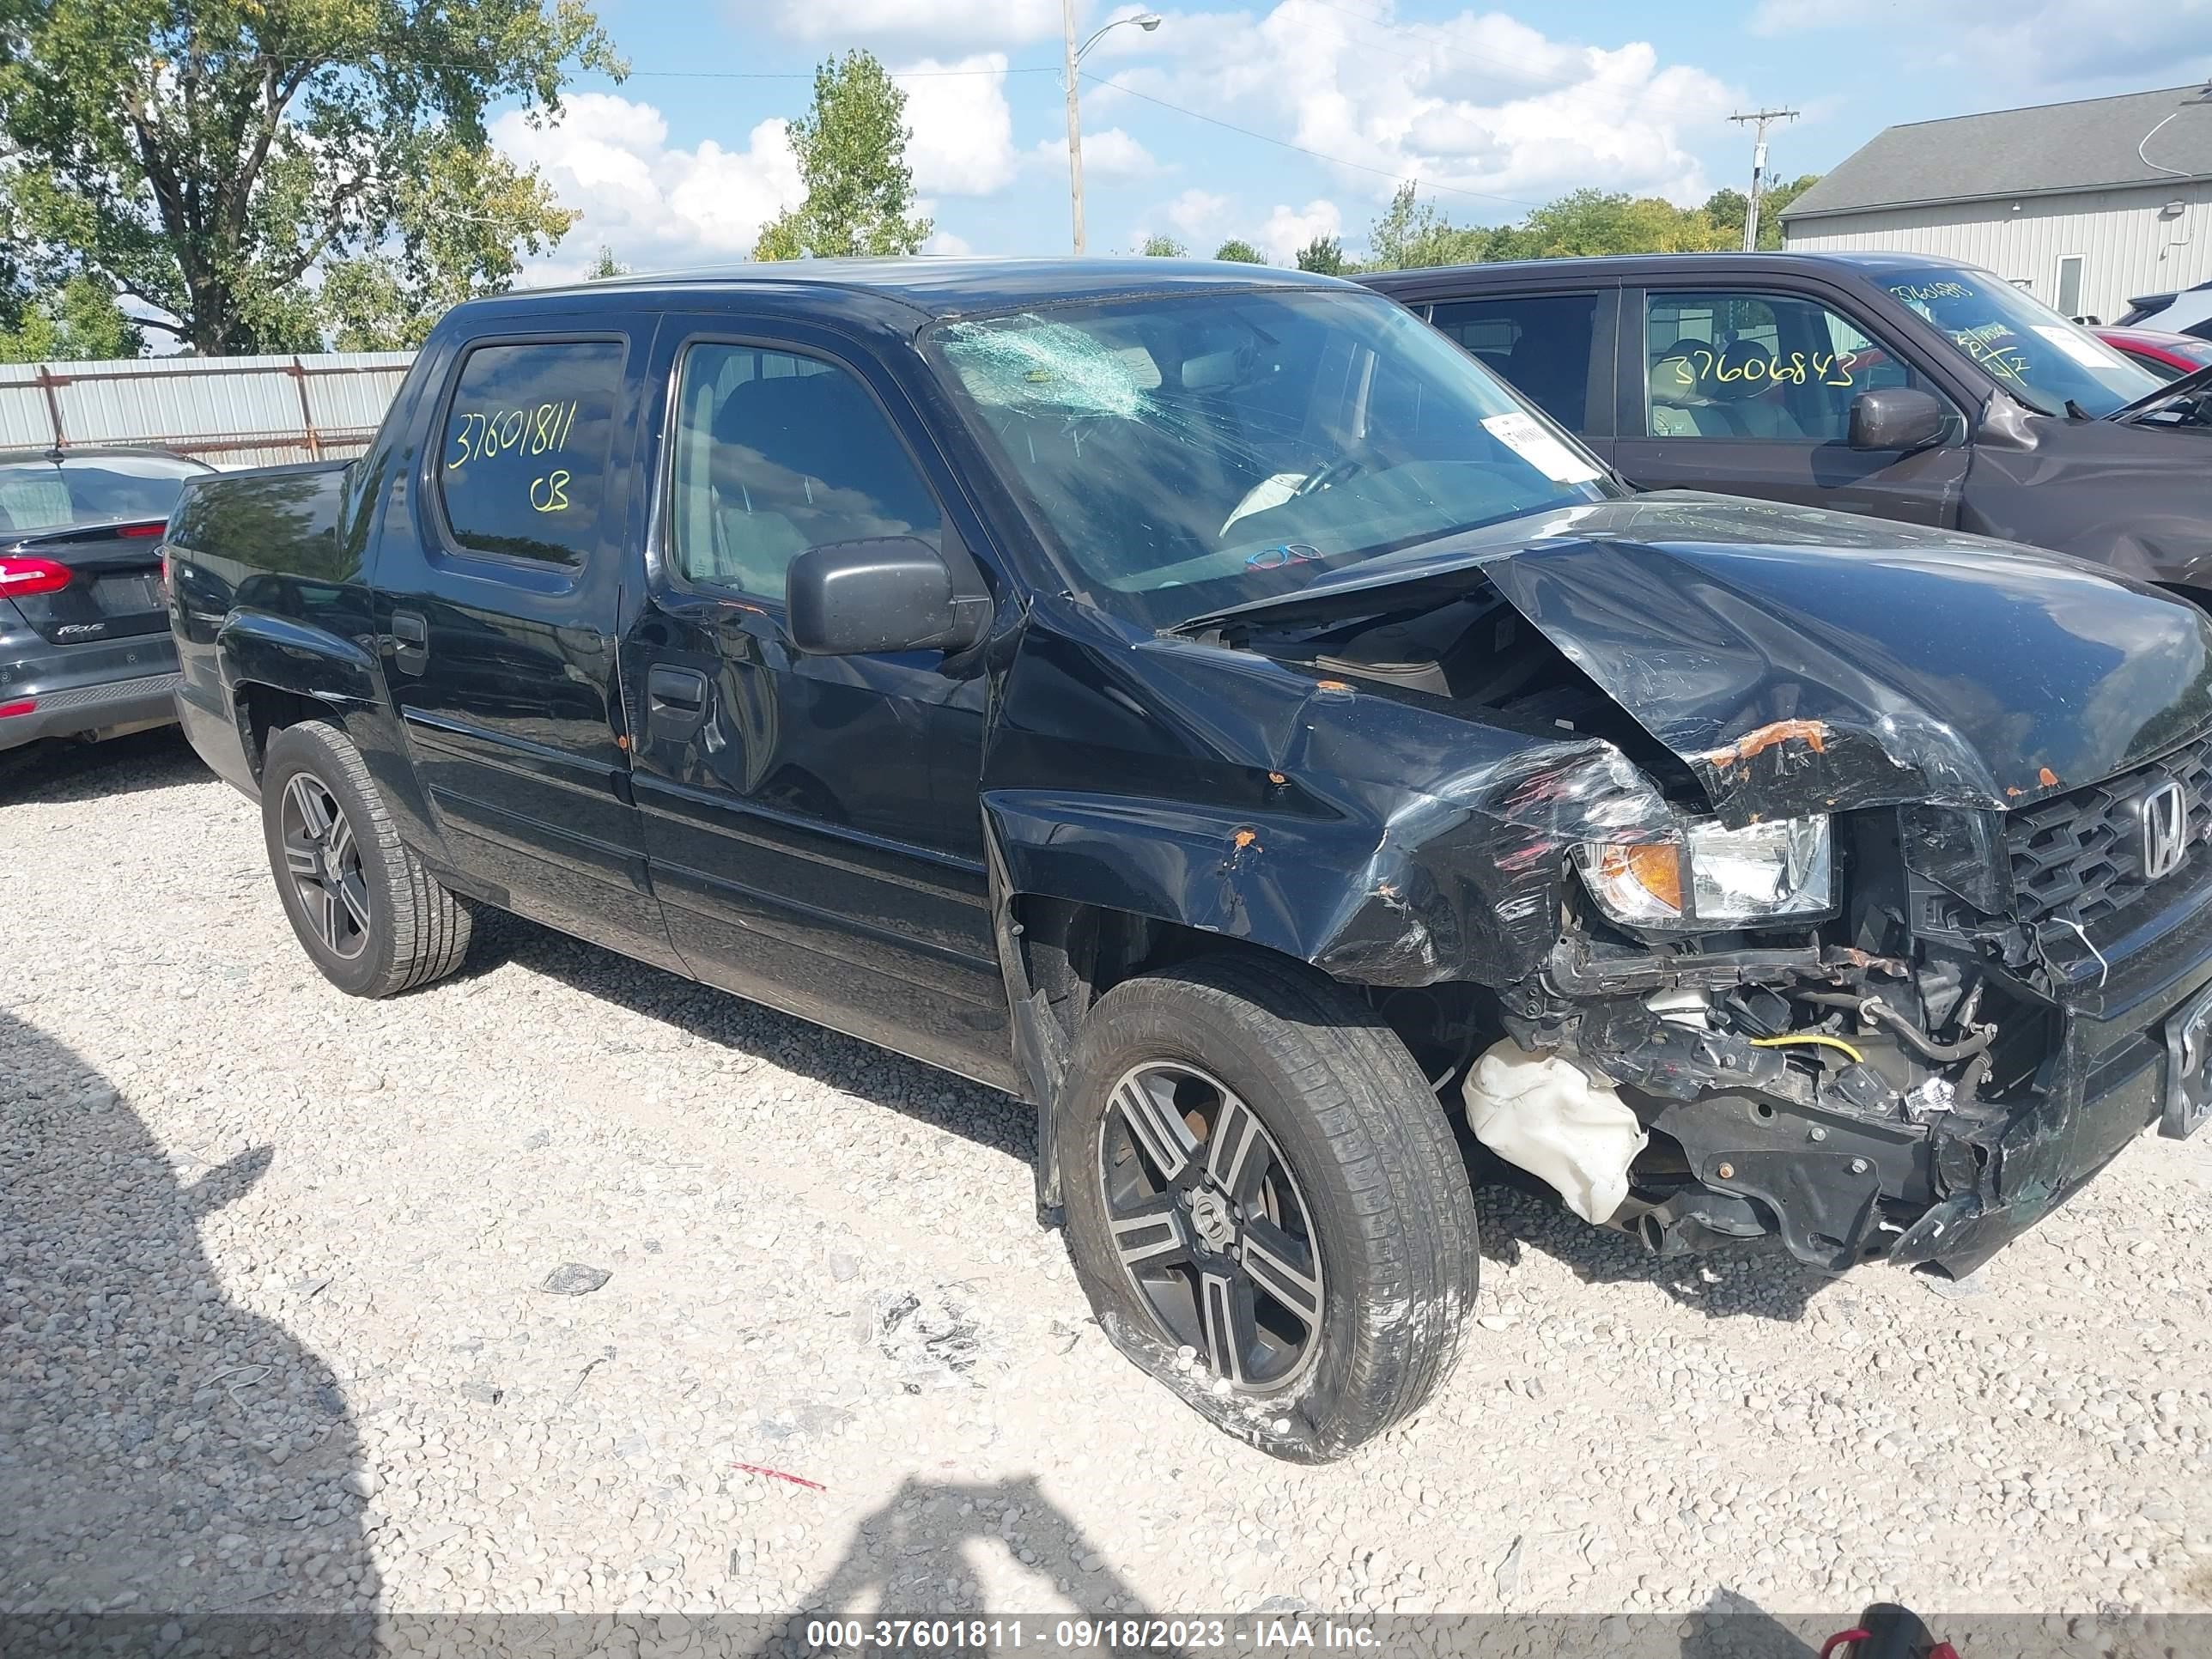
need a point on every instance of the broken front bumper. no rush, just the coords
(2136, 1040)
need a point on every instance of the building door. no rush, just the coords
(2068, 288)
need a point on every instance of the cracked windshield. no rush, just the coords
(2037, 356)
(1194, 452)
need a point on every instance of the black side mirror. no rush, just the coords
(882, 593)
(1898, 417)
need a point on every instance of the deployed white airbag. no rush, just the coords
(1546, 1115)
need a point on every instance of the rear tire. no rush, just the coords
(1305, 1287)
(369, 916)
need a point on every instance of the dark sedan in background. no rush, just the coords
(84, 642)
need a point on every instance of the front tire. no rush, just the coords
(367, 913)
(1265, 1204)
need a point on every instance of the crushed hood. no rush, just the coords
(1797, 660)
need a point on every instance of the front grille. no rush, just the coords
(2078, 857)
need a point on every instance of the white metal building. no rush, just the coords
(229, 411)
(2086, 205)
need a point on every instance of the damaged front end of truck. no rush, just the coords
(1752, 871)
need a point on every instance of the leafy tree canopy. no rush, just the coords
(78, 320)
(1163, 247)
(851, 147)
(1413, 234)
(1324, 254)
(1238, 251)
(1726, 208)
(266, 171)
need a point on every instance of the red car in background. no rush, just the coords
(2168, 355)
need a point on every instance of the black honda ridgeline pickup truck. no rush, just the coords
(1207, 704)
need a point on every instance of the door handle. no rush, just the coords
(675, 701)
(410, 642)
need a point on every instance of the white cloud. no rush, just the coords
(2020, 47)
(1288, 228)
(1492, 114)
(1202, 217)
(945, 242)
(1112, 154)
(656, 207)
(937, 23)
(963, 132)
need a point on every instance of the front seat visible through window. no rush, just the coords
(1742, 384)
(794, 455)
(1679, 407)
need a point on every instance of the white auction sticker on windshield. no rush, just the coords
(1521, 434)
(2087, 352)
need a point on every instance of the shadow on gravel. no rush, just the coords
(940, 1099)
(917, 1554)
(55, 771)
(162, 1450)
(1759, 1280)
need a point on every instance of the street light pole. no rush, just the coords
(1147, 21)
(1074, 122)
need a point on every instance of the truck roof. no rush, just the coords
(1619, 267)
(919, 287)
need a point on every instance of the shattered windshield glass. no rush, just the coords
(2039, 356)
(1190, 451)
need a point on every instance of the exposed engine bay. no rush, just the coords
(1881, 1076)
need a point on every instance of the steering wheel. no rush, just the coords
(1354, 461)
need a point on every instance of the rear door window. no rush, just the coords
(1541, 343)
(522, 469)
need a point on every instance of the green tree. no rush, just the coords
(1158, 246)
(1324, 254)
(1726, 208)
(1593, 222)
(1413, 235)
(851, 147)
(1771, 205)
(1239, 252)
(209, 158)
(78, 320)
(605, 266)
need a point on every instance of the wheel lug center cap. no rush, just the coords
(1209, 1214)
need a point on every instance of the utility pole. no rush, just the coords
(1074, 122)
(1757, 120)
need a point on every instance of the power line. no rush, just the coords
(670, 74)
(1319, 155)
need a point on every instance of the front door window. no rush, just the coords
(774, 453)
(1739, 365)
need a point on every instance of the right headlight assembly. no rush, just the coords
(1710, 876)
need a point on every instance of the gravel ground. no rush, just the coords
(277, 1328)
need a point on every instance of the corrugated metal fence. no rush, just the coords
(229, 411)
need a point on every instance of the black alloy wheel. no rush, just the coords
(1264, 1202)
(323, 860)
(1210, 1225)
(369, 913)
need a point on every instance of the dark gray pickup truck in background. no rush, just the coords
(1887, 384)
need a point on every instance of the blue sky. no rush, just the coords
(1490, 109)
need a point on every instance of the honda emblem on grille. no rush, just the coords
(2165, 831)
